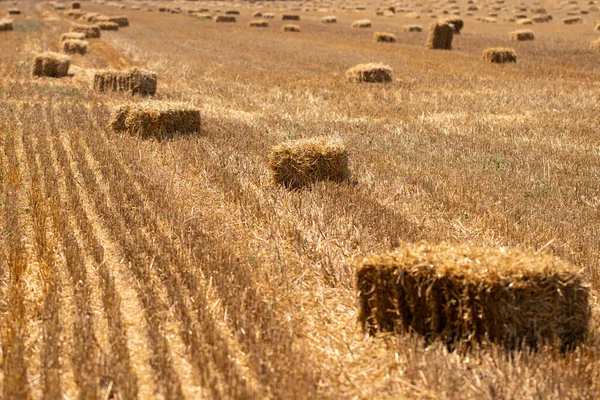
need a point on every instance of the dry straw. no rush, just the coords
(268, 15)
(72, 35)
(14, 11)
(90, 31)
(299, 163)
(232, 12)
(595, 45)
(330, 19)
(50, 64)
(136, 81)
(290, 17)
(525, 21)
(291, 28)
(462, 293)
(597, 26)
(6, 25)
(440, 36)
(362, 23)
(412, 28)
(74, 46)
(456, 23)
(225, 18)
(107, 26)
(384, 37)
(75, 6)
(499, 55)
(574, 20)
(259, 23)
(257, 14)
(521, 35)
(371, 73)
(156, 119)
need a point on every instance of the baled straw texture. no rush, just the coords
(299, 163)
(90, 31)
(225, 18)
(156, 119)
(330, 19)
(362, 23)
(136, 81)
(50, 64)
(413, 28)
(74, 46)
(120, 20)
(291, 28)
(14, 11)
(440, 36)
(456, 23)
(259, 23)
(76, 6)
(107, 26)
(268, 15)
(290, 17)
(6, 25)
(571, 21)
(72, 35)
(595, 45)
(372, 73)
(521, 35)
(384, 37)
(499, 55)
(462, 293)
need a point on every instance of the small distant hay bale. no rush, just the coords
(330, 19)
(384, 37)
(75, 14)
(108, 26)
(525, 21)
(232, 12)
(74, 46)
(225, 18)
(203, 16)
(156, 119)
(72, 36)
(540, 19)
(595, 45)
(521, 35)
(412, 15)
(362, 23)
(291, 28)
(457, 24)
(290, 17)
(571, 21)
(467, 294)
(89, 17)
(90, 31)
(120, 20)
(440, 36)
(412, 28)
(489, 20)
(268, 16)
(75, 5)
(257, 14)
(162, 9)
(299, 163)
(259, 23)
(59, 7)
(371, 73)
(6, 25)
(14, 11)
(500, 55)
(135, 81)
(51, 64)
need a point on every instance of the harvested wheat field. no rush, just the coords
(211, 210)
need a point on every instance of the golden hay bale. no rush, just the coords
(59, 7)
(136, 81)
(299, 163)
(232, 12)
(50, 64)
(571, 21)
(76, 6)
(499, 55)
(521, 35)
(107, 26)
(156, 119)
(259, 23)
(456, 23)
(14, 11)
(330, 19)
(203, 16)
(525, 21)
(257, 14)
(440, 36)
(371, 73)
(597, 26)
(75, 14)
(120, 20)
(268, 16)
(291, 28)
(72, 35)
(540, 19)
(74, 46)
(162, 9)
(6, 25)
(225, 18)
(412, 15)
(462, 293)
(90, 31)
(384, 37)
(362, 23)
(412, 28)
(89, 17)
(290, 17)
(595, 45)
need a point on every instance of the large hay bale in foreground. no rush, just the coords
(225, 18)
(412, 28)
(499, 55)
(50, 64)
(290, 17)
(330, 19)
(74, 46)
(90, 31)
(136, 81)
(371, 73)
(299, 163)
(107, 26)
(6, 25)
(362, 23)
(457, 24)
(259, 23)
(462, 293)
(72, 36)
(156, 119)
(595, 45)
(521, 35)
(291, 28)
(440, 36)
(384, 37)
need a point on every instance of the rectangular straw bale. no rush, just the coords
(412, 28)
(361, 23)
(107, 26)
(159, 119)
(14, 11)
(136, 81)
(330, 19)
(225, 18)
(384, 37)
(50, 64)
(74, 46)
(291, 28)
(521, 35)
(290, 17)
(259, 23)
(72, 35)
(461, 293)
(370, 73)
(457, 24)
(440, 36)
(120, 20)
(499, 55)
(6, 25)
(76, 6)
(299, 163)
(90, 31)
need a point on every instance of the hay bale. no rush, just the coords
(525, 21)
(120, 20)
(136, 81)
(440, 36)
(412, 28)
(384, 37)
(72, 35)
(521, 35)
(108, 26)
(290, 17)
(203, 17)
(257, 14)
(225, 18)
(268, 16)
(571, 21)
(232, 12)
(330, 19)
(90, 31)
(50, 64)
(372, 73)
(75, 6)
(14, 11)
(597, 26)
(595, 45)
(259, 23)
(362, 23)
(499, 55)
(156, 119)
(6, 25)
(89, 17)
(299, 163)
(74, 46)
(456, 23)
(462, 293)
(291, 28)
